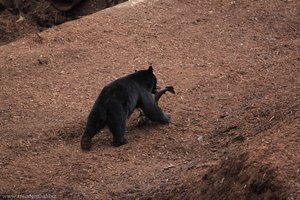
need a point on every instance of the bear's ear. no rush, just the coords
(150, 68)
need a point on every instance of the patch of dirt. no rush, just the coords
(22, 17)
(235, 116)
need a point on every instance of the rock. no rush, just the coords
(200, 138)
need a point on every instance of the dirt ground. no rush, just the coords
(21, 17)
(234, 134)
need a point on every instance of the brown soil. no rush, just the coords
(234, 134)
(38, 15)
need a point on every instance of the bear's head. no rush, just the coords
(146, 78)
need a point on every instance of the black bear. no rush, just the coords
(116, 103)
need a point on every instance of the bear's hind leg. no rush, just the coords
(117, 125)
(118, 131)
(94, 124)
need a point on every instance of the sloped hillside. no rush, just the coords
(234, 134)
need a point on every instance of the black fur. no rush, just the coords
(116, 103)
(142, 119)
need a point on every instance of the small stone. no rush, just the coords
(43, 61)
(200, 138)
